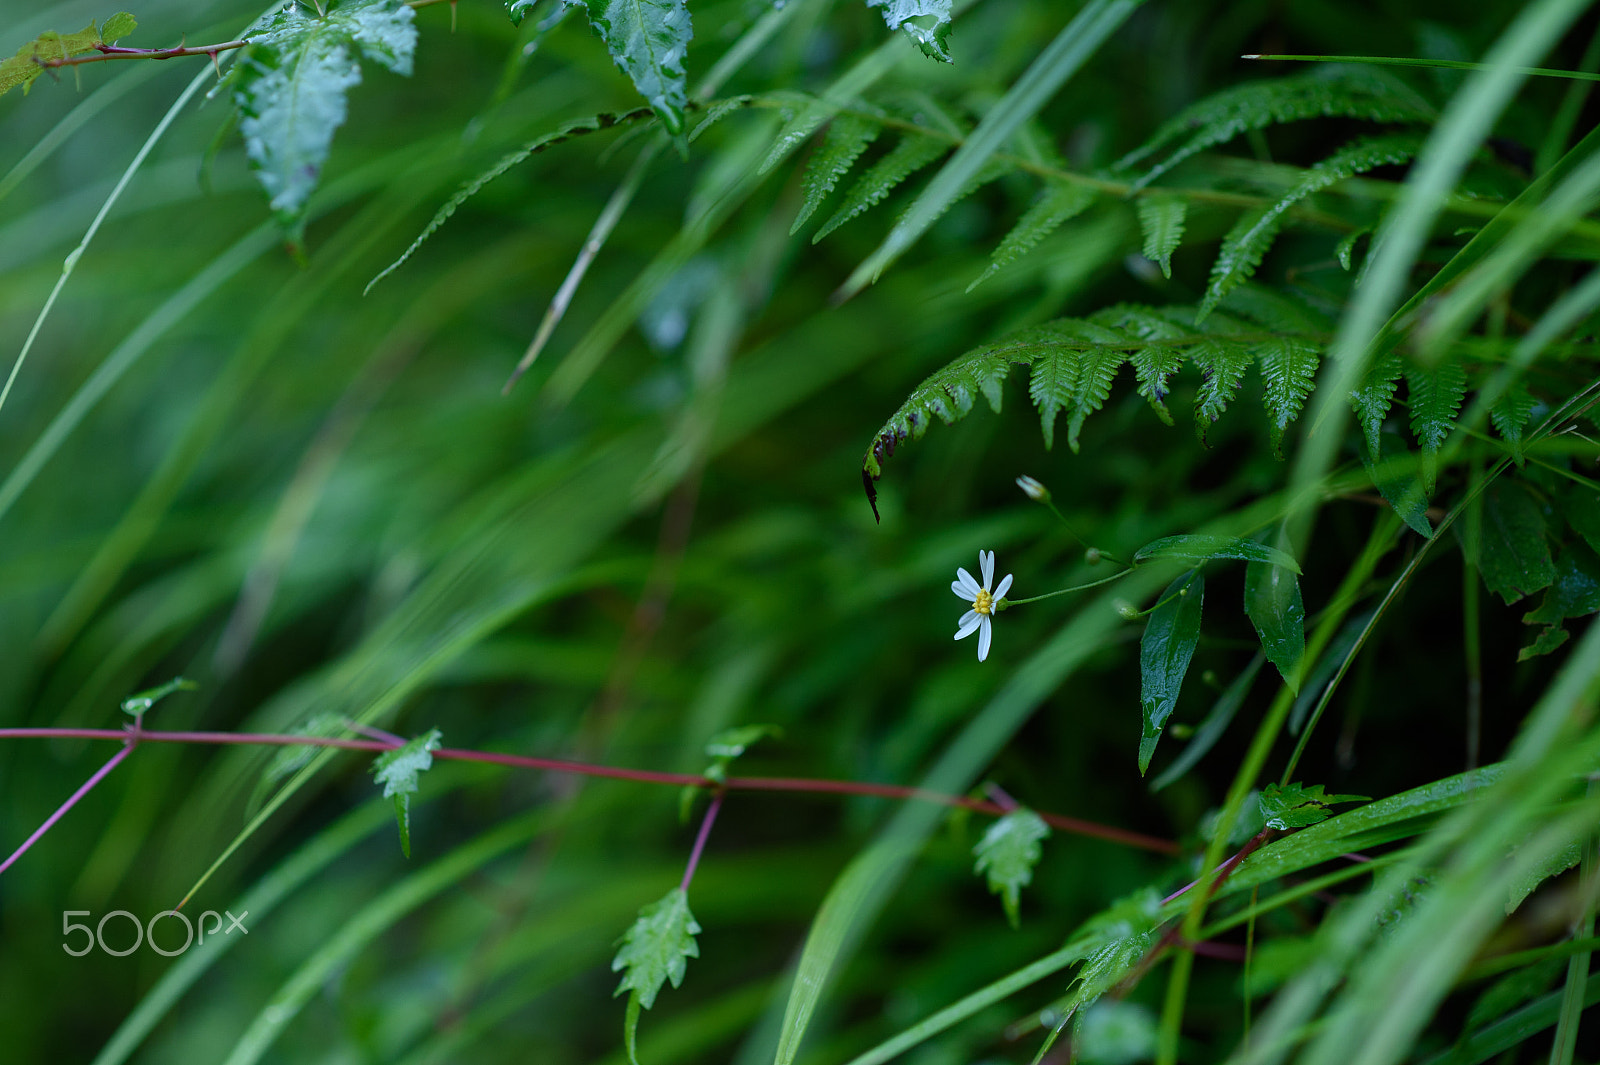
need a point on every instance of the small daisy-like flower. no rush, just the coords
(983, 601)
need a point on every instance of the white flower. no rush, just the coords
(983, 601)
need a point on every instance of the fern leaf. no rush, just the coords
(1289, 367)
(1436, 396)
(913, 153)
(716, 113)
(1076, 375)
(578, 128)
(1367, 94)
(1222, 362)
(1374, 396)
(1161, 219)
(1510, 416)
(1248, 242)
(1154, 363)
(1052, 386)
(1242, 251)
(1062, 200)
(847, 138)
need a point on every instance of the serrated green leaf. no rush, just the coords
(1060, 202)
(1375, 395)
(1435, 396)
(1513, 554)
(1153, 367)
(649, 39)
(1161, 220)
(1007, 854)
(914, 152)
(291, 86)
(1510, 415)
(117, 27)
(848, 136)
(1115, 941)
(1291, 806)
(1272, 602)
(397, 771)
(1076, 379)
(926, 22)
(655, 948)
(1165, 649)
(1289, 368)
(1574, 593)
(1251, 237)
(1222, 367)
(520, 9)
(1204, 545)
(27, 64)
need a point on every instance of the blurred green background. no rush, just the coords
(314, 501)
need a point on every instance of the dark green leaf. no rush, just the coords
(1161, 218)
(1513, 555)
(1273, 603)
(1345, 250)
(648, 39)
(397, 771)
(655, 948)
(1555, 864)
(1375, 395)
(1510, 415)
(1291, 806)
(1222, 366)
(1397, 480)
(1007, 854)
(1582, 510)
(1575, 593)
(1164, 652)
(1289, 367)
(1204, 546)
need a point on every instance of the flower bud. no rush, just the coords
(1092, 556)
(1035, 491)
(1126, 609)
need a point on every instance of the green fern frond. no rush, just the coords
(1155, 363)
(1075, 375)
(1222, 363)
(1161, 219)
(1368, 94)
(847, 138)
(717, 112)
(1375, 395)
(1289, 367)
(1436, 396)
(579, 128)
(1060, 202)
(1510, 416)
(1345, 250)
(915, 151)
(1248, 242)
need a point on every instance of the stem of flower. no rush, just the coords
(1004, 603)
(700, 840)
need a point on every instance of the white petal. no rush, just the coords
(986, 563)
(1005, 586)
(985, 630)
(970, 587)
(969, 623)
(961, 590)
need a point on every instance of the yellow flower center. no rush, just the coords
(984, 603)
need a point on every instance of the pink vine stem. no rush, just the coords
(700, 840)
(136, 734)
(99, 775)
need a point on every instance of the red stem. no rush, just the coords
(700, 840)
(89, 784)
(643, 776)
